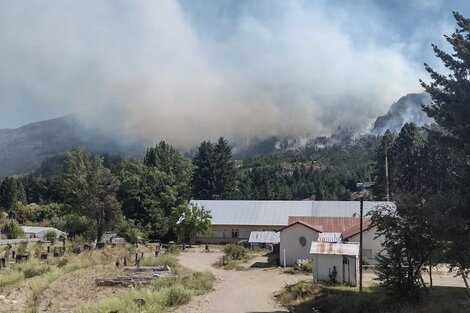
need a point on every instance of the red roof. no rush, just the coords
(347, 226)
(355, 229)
(301, 223)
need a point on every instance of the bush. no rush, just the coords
(130, 231)
(177, 295)
(50, 236)
(12, 229)
(235, 252)
(23, 247)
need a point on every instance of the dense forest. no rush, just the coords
(87, 194)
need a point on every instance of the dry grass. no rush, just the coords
(304, 297)
(165, 292)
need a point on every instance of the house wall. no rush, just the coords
(223, 233)
(290, 243)
(370, 246)
(346, 272)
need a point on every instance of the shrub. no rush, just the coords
(235, 252)
(130, 231)
(23, 247)
(177, 295)
(12, 229)
(50, 236)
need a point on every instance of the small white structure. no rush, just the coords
(340, 257)
(40, 232)
(264, 237)
(295, 242)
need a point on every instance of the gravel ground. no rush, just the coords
(237, 291)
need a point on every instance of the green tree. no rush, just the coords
(204, 177)
(450, 109)
(225, 172)
(191, 220)
(90, 189)
(11, 229)
(165, 158)
(11, 192)
(407, 160)
(408, 245)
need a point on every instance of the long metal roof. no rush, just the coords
(247, 212)
(264, 237)
(39, 229)
(276, 213)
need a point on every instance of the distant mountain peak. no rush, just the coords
(407, 109)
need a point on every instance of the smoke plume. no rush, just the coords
(152, 70)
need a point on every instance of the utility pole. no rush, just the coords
(387, 191)
(360, 243)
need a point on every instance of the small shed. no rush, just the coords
(330, 257)
(264, 237)
(40, 232)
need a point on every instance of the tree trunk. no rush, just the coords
(430, 274)
(466, 284)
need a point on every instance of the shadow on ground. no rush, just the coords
(273, 261)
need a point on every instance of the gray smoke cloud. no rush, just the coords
(148, 70)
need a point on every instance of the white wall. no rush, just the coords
(368, 242)
(289, 242)
(323, 264)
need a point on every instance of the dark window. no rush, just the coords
(234, 233)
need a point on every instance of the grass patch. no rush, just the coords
(304, 297)
(164, 259)
(9, 277)
(20, 271)
(163, 293)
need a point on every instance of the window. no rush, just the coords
(235, 233)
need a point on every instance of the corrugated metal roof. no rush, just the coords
(264, 237)
(276, 213)
(245, 212)
(367, 223)
(329, 237)
(39, 229)
(327, 224)
(301, 223)
(350, 248)
(345, 208)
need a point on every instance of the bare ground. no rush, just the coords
(247, 291)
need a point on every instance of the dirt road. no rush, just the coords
(249, 291)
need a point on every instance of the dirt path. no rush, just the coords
(249, 291)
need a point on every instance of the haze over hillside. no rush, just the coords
(23, 149)
(186, 70)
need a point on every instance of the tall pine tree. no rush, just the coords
(450, 109)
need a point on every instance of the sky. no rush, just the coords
(189, 71)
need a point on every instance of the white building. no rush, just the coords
(295, 241)
(40, 232)
(339, 258)
(234, 220)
